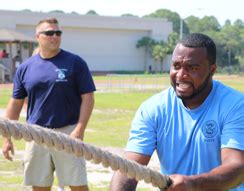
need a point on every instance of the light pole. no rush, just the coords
(181, 27)
(182, 22)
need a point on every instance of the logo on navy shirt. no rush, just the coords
(210, 129)
(61, 75)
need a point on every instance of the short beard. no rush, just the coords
(195, 93)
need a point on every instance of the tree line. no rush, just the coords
(229, 38)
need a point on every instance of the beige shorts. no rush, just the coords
(40, 163)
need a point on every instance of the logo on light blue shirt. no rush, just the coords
(210, 129)
(61, 75)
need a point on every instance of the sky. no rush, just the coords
(221, 9)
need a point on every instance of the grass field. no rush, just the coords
(110, 121)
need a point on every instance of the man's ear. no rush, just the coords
(213, 68)
(37, 36)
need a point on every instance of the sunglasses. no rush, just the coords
(51, 33)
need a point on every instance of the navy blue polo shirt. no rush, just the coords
(54, 87)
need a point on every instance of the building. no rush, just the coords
(108, 44)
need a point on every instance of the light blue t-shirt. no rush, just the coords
(188, 141)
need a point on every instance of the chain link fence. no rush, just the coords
(126, 83)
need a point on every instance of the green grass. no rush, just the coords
(11, 175)
(236, 82)
(5, 94)
(108, 129)
(120, 101)
(10, 166)
(112, 117)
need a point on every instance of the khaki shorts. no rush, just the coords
(40, 163)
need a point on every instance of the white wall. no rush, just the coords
(106, 49)
(106, 43)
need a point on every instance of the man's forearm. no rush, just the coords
(86, 109)
(13, 109)
(85, 113)
(121, 182)
(221, 178)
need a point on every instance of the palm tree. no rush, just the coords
(159, 52)
(148, 43)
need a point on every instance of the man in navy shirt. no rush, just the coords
(59, 87)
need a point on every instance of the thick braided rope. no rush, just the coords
(62, 141)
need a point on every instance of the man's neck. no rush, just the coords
(49, 54)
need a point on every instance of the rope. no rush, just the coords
(63, 142)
